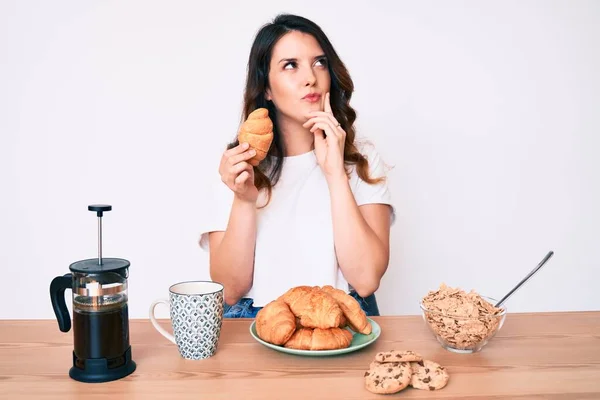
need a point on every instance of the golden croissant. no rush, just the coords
(314, 307)
(257, 131)
(319, 339)
(356, 317)
(275, 323)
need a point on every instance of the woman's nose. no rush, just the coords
(310, 78)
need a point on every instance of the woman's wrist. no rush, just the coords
(337, 182)
(244, 204)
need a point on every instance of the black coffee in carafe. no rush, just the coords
(109, 327)
(102, 350)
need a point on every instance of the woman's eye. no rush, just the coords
(322, 61)
(290, 64)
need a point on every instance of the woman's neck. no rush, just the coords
(296, 138)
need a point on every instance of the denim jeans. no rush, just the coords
(245, 307)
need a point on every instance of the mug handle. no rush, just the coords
(159, 328)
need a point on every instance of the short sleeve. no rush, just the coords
(215, 216)
(376, 193)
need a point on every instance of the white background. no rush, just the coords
(488, 112)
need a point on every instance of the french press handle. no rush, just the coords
(57, 296)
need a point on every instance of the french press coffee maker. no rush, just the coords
(102, 351)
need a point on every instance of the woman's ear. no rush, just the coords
(268, 95)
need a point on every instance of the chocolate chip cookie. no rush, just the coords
(388, 378)
(428, 375)
(398, 355)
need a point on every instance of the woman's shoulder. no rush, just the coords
(377, 191)
(377, 166)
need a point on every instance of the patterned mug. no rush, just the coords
(196, 310)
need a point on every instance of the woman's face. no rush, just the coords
(298, 76)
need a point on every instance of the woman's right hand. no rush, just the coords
(238, 174)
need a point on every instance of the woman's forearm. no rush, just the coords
(361, 254)
(232, 260)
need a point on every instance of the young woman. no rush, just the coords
(317, 210)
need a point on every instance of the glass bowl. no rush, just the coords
(461, 334)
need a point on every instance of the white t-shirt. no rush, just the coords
(294, 242)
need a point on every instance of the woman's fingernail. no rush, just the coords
(252, 152)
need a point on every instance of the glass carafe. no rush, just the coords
(100, 316)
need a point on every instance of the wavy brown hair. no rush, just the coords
(267, 174)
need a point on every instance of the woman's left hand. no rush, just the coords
(330, 140)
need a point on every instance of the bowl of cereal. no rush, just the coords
(461, 322)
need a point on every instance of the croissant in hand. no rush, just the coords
(257, 131)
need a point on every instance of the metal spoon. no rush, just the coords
(536, 269)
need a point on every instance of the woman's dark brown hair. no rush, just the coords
(268, 172)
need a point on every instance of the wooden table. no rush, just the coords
(534, 356)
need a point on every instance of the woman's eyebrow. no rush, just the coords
(296, 60)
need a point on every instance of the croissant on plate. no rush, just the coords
(311, 318)
(257, 131)
(314, 307)
(319, 339)
(357, 319)
(275, 323)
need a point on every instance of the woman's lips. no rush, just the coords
(312, 98)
